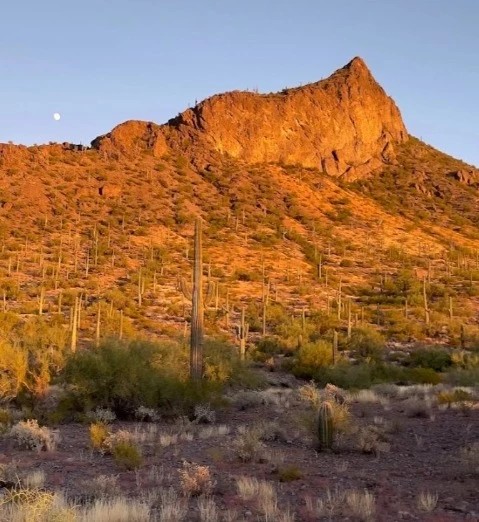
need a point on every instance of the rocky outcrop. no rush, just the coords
(131, 137)
(466, 176)
(345, 125)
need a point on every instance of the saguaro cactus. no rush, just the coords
(242, 334)
(325, 426)
(74, 325)
(197, 306)
(426, 304)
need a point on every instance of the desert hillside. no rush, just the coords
(300, 191)
(341, 271)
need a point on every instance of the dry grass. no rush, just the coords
(120, 509)
(172, 507)
(369, 397)
(267, 500)
(350, 503)
(101, 487)
(34, 479)
(208, 510)
(247, 487)
(427, 501)
(361, 504)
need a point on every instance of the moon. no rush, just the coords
(56, 116)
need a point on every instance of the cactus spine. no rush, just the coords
(325, 426)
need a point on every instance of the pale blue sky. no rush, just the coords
(100, 62)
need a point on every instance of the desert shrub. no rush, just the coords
(270, 346)
(372, 439)
(292, 331)
(125, 376)
(289, 473)
(116, 376)
(196, 479)
(323, 323)
(465, 359)
(364, 375)
(402, 329)
(42, 343)
(98, 435)
(103, 415)
(13, 370)
(344, 375)
(423, 376)
(29, 435)
(203, 414)
(248, 445)
(127, 454)
(223, 365)
(449, 397)
(435, 359)
(416, 407)
(121, 445)
(366, 342)
(144, 414)
(311, 357)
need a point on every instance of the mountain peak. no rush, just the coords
(358, 64)
(345, 126)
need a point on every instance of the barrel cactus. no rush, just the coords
(325, 426)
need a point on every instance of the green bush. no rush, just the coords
(98, 435)
(311, 357)
(270, 346)
(436, 359)
(289, 473)
(423, 376)
(366, 342)
(127, 455)
(346, 375)
(125, 376)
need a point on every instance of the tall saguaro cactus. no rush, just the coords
(197, 306)
(242, 334)
(197, 310)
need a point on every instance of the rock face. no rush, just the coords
(131, 137)
(466, 176)
(345, 125)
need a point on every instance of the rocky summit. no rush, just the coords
(345, 126)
